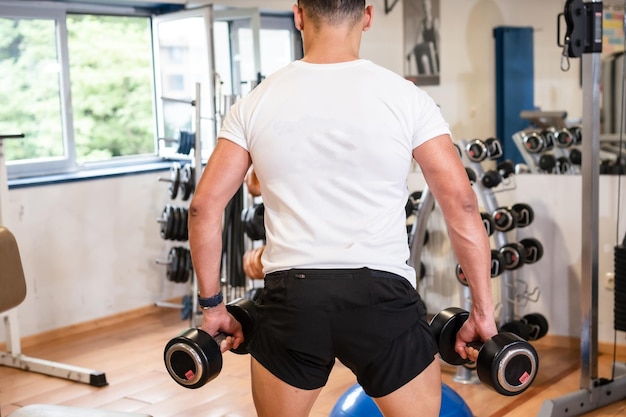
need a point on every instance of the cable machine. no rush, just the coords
(584, 38)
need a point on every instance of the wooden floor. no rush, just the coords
(129, 351)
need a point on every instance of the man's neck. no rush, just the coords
(331, 45)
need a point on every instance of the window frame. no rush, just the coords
(66, 168)
(67, 164)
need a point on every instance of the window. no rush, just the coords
(94, 85)
(111, 77)
(31, 100)
(81, 89)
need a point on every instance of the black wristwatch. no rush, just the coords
(207, 303)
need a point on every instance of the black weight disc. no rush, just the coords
(174, 179)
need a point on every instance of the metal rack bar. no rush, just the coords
(594, 393)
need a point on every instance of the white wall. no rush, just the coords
(89, 248)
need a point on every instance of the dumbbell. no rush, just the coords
(504, 219)
(577, 132)
(575, 156)
(533, 142)
(497, 267)
(508, 218)
(563, 165)
(533, 250)
(471, 175)
(524, 214)
(253, 219)
(532, 326)
(506, 363)
(193, 358)
(488, 222)
(563, 138)
(547, 162)
(476, 150)
(548, 137)
(514, 255)
(493, 178)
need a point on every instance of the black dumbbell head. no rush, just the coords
(575, 156)
(517, 327)
(533, 142)
(548, 139)
(488, 222)
(444, 326)
(471, 174)
(193, 358)
(491, 179)
(253, 219)
(494, 148)
(504, 219)
(537, 324)
(514, 255)
(524, 214)
(563, 165)
(507, 363)
(497, 263)
(460, 276)
(533, 250)
(563, 138)
(506, 168)
(476, 150)
(244, 311)
(547, 162)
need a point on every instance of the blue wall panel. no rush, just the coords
(514, 84)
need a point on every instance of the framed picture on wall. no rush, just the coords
(421, 41)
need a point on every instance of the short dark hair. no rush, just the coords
(333, 11)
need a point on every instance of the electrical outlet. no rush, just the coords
(609, 281)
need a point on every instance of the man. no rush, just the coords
(332, 138)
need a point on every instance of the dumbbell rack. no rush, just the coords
(197, 172)
(509, 283)
(510, 293)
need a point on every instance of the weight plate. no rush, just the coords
(187, 182)
(174, 179)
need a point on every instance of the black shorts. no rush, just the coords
(374, 322)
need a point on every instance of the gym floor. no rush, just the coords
(129, 350)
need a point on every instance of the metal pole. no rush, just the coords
(594, 393)
(590, 206)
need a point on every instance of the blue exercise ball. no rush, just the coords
(356, 403)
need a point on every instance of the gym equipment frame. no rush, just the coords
(594, 392)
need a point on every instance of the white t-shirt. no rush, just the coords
(332, 147)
